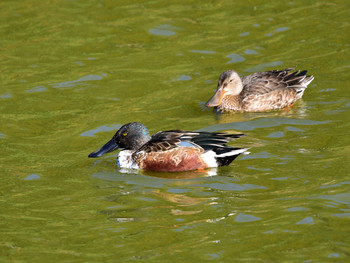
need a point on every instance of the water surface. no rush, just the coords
(72, 72)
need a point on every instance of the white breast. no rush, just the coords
(125, 160)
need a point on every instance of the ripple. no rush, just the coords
(182, 78)
(294, 129)
(235, 58)
(72, 83)
(104, 128)
(334, 185)
(202, 51)
(243, 218)
(343, 198)
(250, 52)
(278, 134)
(341, 215)
(79, 63)
(163, 30)
(6, 96)
(297, 208)
(36, 89)
(327, 90)
(231, 186)
(261, 123)
(244, 34)
(306, 221)
(260, 155)
(279, 178)
(333, 255)
(32, 177)
(281, 29)
(263, 66)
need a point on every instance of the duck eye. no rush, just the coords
(124, 134)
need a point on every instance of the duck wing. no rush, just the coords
(167, 140)
(265, 82)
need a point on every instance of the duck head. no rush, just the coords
(130, 136)
(229, 84)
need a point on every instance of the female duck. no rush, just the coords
(269, 90)
(173, 150)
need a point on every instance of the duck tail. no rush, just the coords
(298, 80)
(225, 156)
(307, 80)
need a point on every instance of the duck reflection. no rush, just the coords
(299, 111)
(172, 175)
(182, 175)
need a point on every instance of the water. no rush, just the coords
(72, 72)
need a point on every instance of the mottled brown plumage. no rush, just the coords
(269, 90)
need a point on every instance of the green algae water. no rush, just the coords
(72, 72)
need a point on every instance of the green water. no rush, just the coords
(72, 72)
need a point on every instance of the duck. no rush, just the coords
(261, 91)
(170, 151)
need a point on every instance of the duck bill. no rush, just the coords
(108, 147)
(216, 99)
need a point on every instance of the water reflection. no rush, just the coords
(230, 122)
(181, 199)
(182, 175)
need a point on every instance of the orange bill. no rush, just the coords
(217, 98)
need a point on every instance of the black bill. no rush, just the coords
(108, 147)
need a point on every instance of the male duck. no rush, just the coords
(269, 90)
(173, 150)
